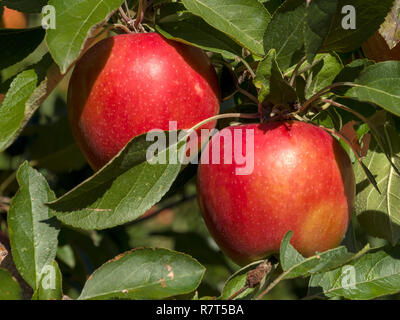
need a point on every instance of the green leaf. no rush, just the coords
(66, 255)
(12, 110)
(32, 228)
(271, 5)
(317, 26)
(237, 281)
(288, 255)
(324, 72)
(9, 287)
(273, 85)
(245, 21)
(74, 26)
(29, 6)
(379, 214)
(285, 33)
(193, 30)
(144, 274)
(350, 73)
(374, 274)
(26, 93)
(295, 265)
(50, 287)
(390, 28)
(17, 44)
(369, 15)
(379, 84)
(121, 191)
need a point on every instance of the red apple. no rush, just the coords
(13, 19)
(302, 180)
(129, 84)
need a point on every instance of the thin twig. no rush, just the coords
(248, 95)
(4, 204)
(248, 67)
(128, 13)
(5, 184)
(323, 91)
(271, 285)
(140, 12)
(295, 72)
(310, 66)
(126, 19)
(121, 26)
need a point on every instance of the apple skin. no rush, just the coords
(13, 19)
(378, 50)
(129, 84)
(302, 181)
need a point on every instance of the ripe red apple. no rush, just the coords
(302, 181)
(378, 50)
(13, 19)
(129, 84)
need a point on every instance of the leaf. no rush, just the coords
(285, 33)
(12, 110)
(144, 274)
(379, 214)
(194, 31)
(350, 73)
(374, 274)
(324, 72)
(66, 255)
(26, 93)
(17, 44)
(271, 5)
(50, 287)
(369, 15)
(9, 287)
(75, 21)
(274, 87)
(29, 6)
(121, 191)
(245, 21)
(295, 265)
(317, 25)
(379, 84)
(237, 281)
(33, 230)
(390, 29)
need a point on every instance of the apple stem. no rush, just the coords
(225, 116)
(140, 13)
(127, 10)
(121, 26)
(124, 16)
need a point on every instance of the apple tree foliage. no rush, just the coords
(58, 218)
